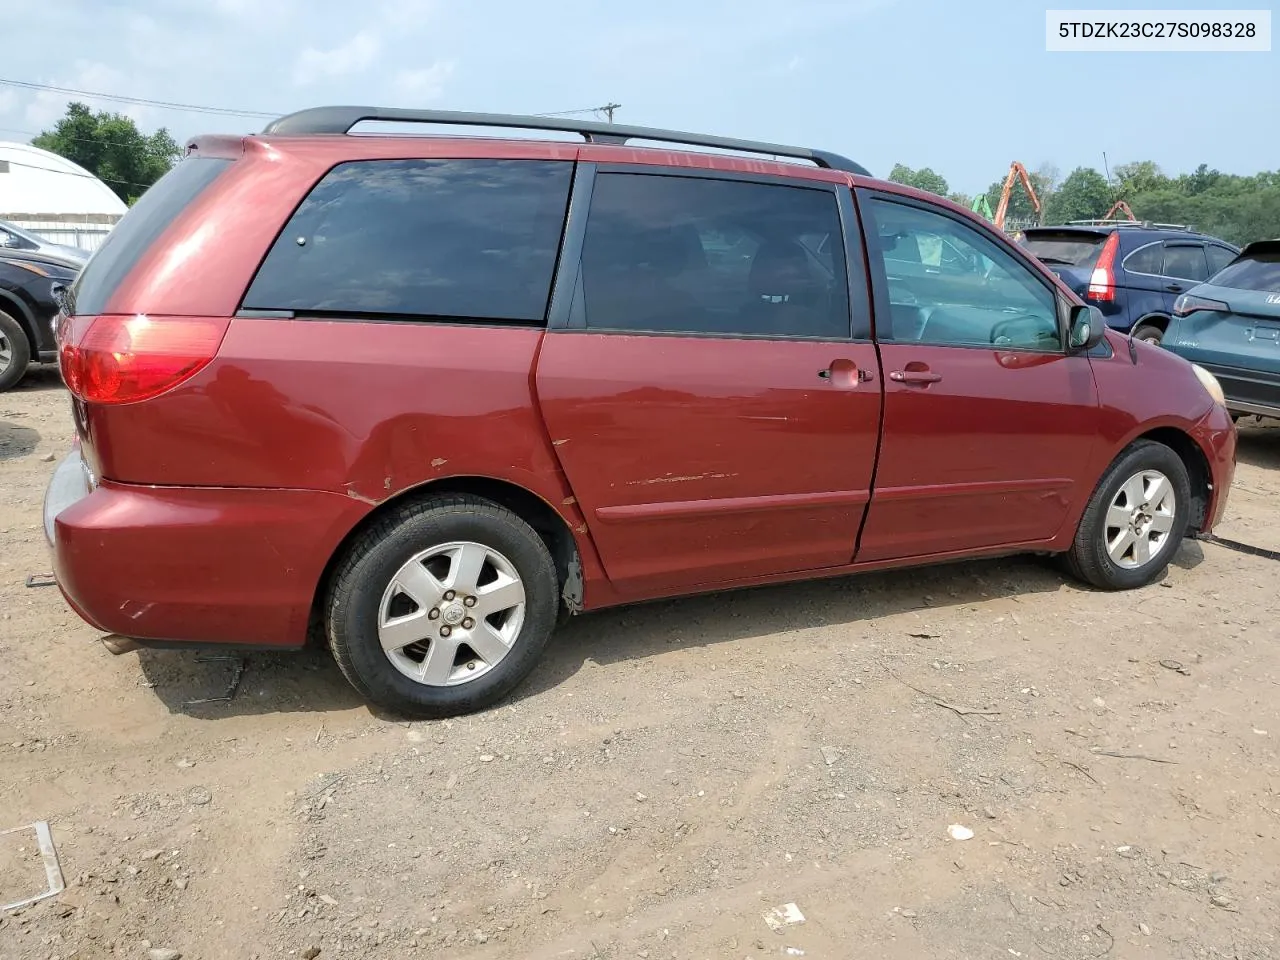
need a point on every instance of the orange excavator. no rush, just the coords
(1120, 207)
(1016, 172)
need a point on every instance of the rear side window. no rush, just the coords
(1064, 248)
(1258, 271)
(1185, 261)
(1218, 256)
(458, 239)
(673, 254)
(139, 229)
(1148, 259)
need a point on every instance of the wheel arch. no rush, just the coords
(546, 521)
(1159, 320)
(18, 310)
(1197, 464)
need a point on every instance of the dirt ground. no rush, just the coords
(672, 773)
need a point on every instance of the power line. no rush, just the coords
(72, 173)
(64, 136)
(607, 109)
(141, 101)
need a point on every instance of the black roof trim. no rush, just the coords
(1259, 246)
(340, 120)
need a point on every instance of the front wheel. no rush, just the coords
(1135, 520)
(442, 607)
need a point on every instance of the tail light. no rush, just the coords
(1102, 283)
(1188, 304)
(126, 359)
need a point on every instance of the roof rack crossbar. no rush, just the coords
(340, 120)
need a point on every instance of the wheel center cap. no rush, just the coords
(453, 614)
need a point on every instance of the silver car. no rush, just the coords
(13, 237)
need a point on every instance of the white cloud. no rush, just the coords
(425, 84)
(352, 57)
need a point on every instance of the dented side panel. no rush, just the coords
(704, 460)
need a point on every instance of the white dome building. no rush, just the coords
(54, 198)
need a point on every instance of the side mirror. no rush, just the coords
(1087, 329)
(7, 239)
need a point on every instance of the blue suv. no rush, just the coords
(1132, 272)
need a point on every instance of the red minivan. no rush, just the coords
(423, 395)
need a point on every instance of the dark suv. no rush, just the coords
(1132, 272)
(421, 395)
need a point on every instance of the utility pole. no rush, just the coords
(608, 109)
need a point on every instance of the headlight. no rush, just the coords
(1210, 384)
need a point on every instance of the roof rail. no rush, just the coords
(340, 120)
(1131, 224)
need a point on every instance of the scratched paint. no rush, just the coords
(671, 479)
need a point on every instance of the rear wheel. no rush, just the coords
(1135, 520)
(1148, 332)
(442, 607)
(15, 351)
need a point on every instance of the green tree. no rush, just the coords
(1083, 195)
(111, 147)
(922, 179)
(1141, 176)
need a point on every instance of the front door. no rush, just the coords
(707, 397)
(990, 426)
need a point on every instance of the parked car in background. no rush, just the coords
(1132, 272)
(422, 395)
(1231, 326)
(28, 304)
(14, 238)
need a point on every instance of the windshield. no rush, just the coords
(1071, 248)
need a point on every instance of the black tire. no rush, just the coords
(1089, 559)
(19, 351)
(354, 599)
(1148, 332)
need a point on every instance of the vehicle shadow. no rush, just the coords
(309, 681)
(40, 377)
(1258, 444)
(652, 629)
(17, 441)
(211, 685)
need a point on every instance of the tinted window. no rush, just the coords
(1218, 256)
(1259, 271)
(949, 284)
(158, 207)
(1148, 259)
(1185, 262)
(689, 255)
(1064, 248)
(470, 239)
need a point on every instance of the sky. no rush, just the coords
(962, 86)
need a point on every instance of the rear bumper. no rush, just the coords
(198, 565)
(1248, 391)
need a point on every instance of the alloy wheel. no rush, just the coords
(451, 613)
(1139, 519)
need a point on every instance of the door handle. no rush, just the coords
(845, 374)
(1174, 287)
(915, 376)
